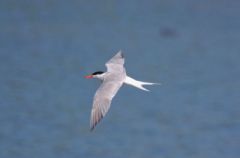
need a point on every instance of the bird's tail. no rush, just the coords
(138, 84)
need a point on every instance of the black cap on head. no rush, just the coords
(97, 73)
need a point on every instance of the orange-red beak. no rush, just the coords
(89, 76)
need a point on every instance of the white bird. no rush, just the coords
(112, 80)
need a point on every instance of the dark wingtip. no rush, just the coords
(121, 53)
(92, 128)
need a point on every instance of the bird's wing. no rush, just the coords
(116, 63)
(102, 99)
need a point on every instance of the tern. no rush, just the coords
(112, 80)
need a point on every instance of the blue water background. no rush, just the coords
(191, 47)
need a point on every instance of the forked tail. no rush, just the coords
(138, 84)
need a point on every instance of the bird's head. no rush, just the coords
(97, 74)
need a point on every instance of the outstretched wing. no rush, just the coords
(102, 100)
(113, 80)
(115, 64)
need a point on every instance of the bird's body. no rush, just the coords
(112, 80)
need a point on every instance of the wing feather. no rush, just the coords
(113, 80)
(102, 101)
(116, 63)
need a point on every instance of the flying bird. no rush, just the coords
(112, 80)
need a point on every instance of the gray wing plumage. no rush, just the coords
(115, 64)
(102, 101)
(113, 80)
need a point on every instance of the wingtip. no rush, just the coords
(120, 53)
(91, 129)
